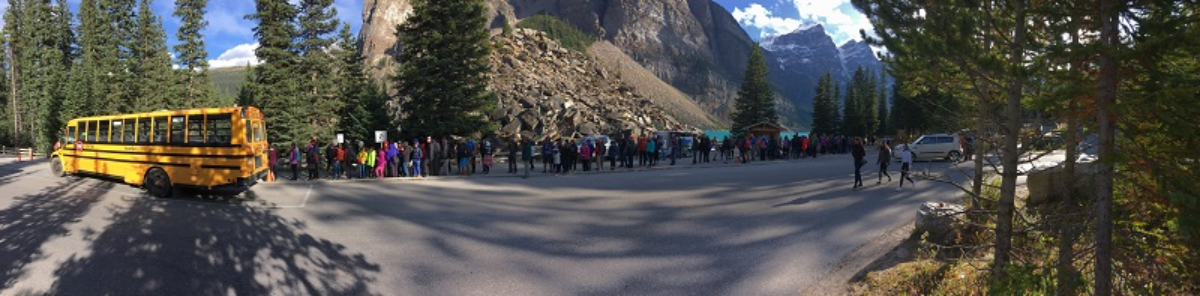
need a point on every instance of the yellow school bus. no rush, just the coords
(222, 150)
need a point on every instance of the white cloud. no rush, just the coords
(841, 19)
(237, 56)
(759, 17)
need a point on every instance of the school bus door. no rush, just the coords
(67, 152)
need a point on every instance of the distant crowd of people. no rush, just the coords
(465, 156)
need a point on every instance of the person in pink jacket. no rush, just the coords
(381, 163)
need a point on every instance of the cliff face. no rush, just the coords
(694, 45)
(377, 38)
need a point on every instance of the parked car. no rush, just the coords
(933, 147)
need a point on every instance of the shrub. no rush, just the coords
(566, 34)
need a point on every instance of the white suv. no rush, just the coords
(932, 147)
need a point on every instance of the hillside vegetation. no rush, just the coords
(227, 81)
(566, 34)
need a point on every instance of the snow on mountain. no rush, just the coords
(799, 58)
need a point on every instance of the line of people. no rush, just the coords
(463, 156)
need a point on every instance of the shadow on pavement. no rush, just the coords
(725, 246)
(168, 247)
(34, 219)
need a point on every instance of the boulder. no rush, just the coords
(512, 128)
(1051, 184)
(589, 129)
(938, 220)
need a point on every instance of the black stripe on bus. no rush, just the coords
(134, 161)
(242, 156)
(227, 167)
(187, 145)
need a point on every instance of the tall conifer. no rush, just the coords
(275, 84)
(153, 85)
(755, 102)
(443, 75)
(196, 88)
(317, 24)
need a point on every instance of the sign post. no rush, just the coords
(380, 137)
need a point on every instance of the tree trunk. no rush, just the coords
(1008, 183)
(1106, 94)
(14, 74)
(1066, 229)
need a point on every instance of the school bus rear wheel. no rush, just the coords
(157, 183)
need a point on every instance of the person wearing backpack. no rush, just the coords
(859, 153)
(885, 157)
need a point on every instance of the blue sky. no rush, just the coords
(761, 18)
(229, 38)
(230, 41)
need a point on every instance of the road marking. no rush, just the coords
(302, 202)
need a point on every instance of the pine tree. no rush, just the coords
(123, 18)
(275, 85)
(6, 135)
(317, 23)
(824, 107)
(100, 59)
(755, 102)
(15, 42)
(42, 88)
(870, 109)
(154, 86)
(443, 75)
(196, 88)
(881, 108)
(353, 85)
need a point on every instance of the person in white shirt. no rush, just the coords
(905, 162)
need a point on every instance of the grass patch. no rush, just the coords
(566, 34)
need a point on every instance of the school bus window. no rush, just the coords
(102, 131)
(160, 130)
(177, 129)
(249, 132)
(127, 126)
(70, 136)
(143, 128)
(89, 131)
(258, 132)
(220, 129)
(116, 131)
(195, 128)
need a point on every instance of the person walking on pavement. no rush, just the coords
(859, 154)
(885, 157)
(906, 159)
